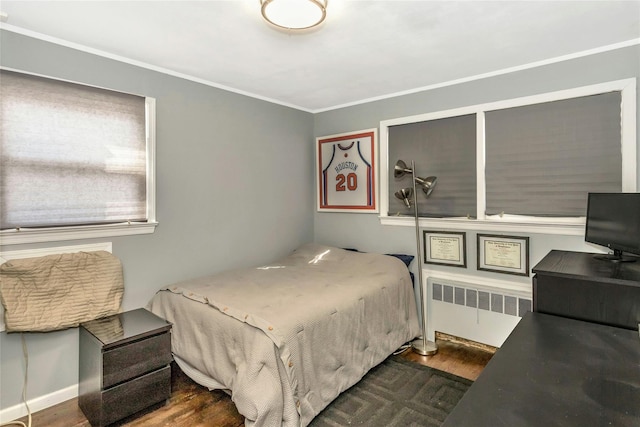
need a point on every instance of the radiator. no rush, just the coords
(476, 309)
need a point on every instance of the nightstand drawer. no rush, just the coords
(136, 358)
(132, 396)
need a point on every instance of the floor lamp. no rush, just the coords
(420, 345)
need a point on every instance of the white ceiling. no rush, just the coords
(365, 50)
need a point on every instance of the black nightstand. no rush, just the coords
(124, 365)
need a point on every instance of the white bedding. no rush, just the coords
(287, 338)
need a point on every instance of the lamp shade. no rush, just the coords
(400, 169)
(427, 184)
(294, 14)
(405, 194)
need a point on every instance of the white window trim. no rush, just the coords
(514, 223)
(55, 234)
(58, 234)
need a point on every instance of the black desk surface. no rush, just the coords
(554, 371)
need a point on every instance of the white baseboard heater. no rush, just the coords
(474, 308)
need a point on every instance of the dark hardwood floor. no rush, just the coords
(191, 405)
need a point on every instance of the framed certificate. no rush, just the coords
(503, 254)
(347, 173)
(445, 248)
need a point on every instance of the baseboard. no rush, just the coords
(39, 403)
(469, 343)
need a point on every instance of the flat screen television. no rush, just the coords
(613, 221)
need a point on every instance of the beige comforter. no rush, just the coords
(287, 338)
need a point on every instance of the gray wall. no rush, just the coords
(228, 193)
(363, 231)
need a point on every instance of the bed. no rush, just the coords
(287, 338)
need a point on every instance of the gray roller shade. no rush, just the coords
(543, 159)
(70, 154)
(445, 148)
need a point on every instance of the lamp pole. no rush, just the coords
(421, 346)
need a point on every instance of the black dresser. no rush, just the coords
(579, 286)
(124, 365)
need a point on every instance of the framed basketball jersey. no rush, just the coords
(347, 174)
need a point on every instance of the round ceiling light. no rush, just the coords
(294, 14)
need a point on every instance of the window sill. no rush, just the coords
(41, 235)
(571, 227)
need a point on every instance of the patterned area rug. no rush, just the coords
(396, 393)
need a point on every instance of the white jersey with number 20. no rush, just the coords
(347, 172)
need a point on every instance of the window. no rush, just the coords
(525, 164)
(444, 148)
(75, 161)
(543, 159)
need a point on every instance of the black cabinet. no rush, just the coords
(124, 365)
(579, 286)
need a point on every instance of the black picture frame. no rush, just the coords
(445, 248)
(503, 254)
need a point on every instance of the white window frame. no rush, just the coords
(77, 232)
(514, 223)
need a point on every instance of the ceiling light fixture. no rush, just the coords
(294, 14)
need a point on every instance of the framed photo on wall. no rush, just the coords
(503, 254)
(347, 172)
(445, 248)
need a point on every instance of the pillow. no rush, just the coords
(402, 257)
